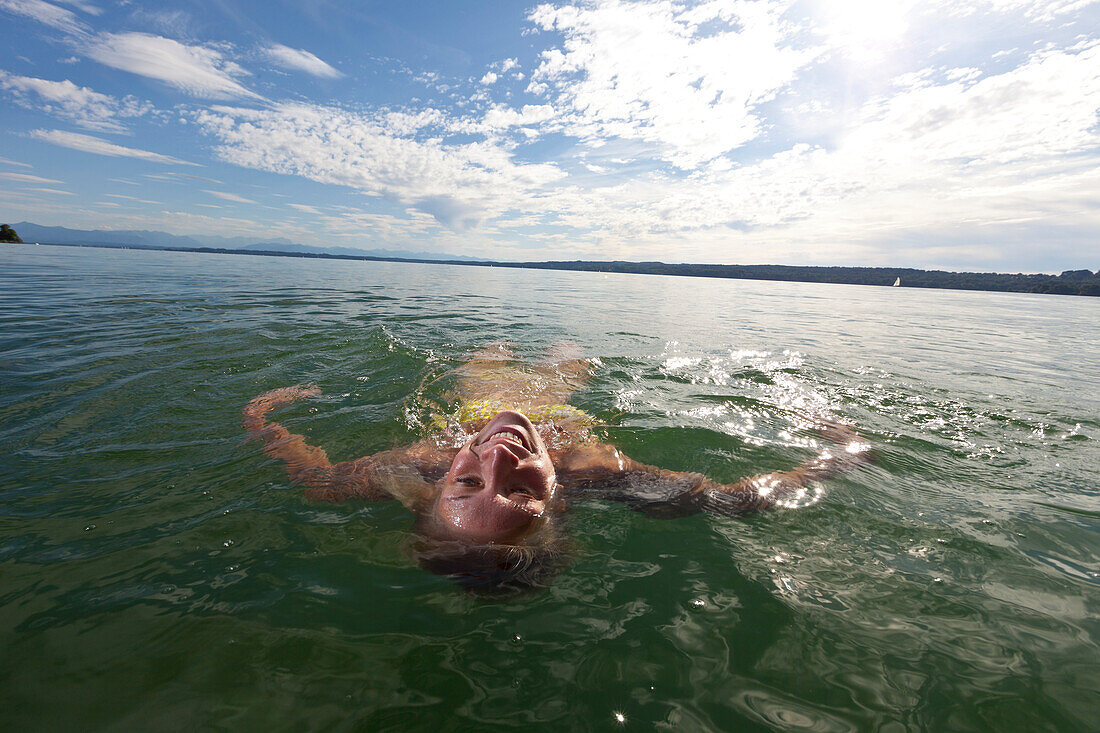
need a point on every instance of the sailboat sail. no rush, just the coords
(897, 283)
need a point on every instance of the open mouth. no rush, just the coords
(508, 434)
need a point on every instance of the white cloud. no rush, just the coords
(181, 178)
(87, 108)
(230, 197)
(1044, 10)
(460, 184)
(304, 208)
(26, 178)
(54, 191)
(500, 118)
(98, 146)
(300, 60)
(196, 70)
(131, 198)
(688, 81)
(83, 6)
(986, 157)
(46, 13)
(5, 161)
(489, 78)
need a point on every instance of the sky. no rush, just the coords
(948, 134)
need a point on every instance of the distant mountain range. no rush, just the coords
(31, 232)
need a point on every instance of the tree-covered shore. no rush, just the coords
(8, 235)
(1070, 282)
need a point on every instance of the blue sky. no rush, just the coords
(958, 134)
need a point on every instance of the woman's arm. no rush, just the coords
(601, 471)
(405, 474)
(794, 488)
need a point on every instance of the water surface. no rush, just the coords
(158, 571)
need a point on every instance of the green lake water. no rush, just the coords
(158, 572)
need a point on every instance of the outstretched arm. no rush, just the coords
(601, 471)
(403, 473)
(789, 488)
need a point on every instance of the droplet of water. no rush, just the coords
(619, 717)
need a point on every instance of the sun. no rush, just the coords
(863, 29)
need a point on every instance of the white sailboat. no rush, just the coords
(897, 283)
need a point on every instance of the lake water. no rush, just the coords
(157, 572)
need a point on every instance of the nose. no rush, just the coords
(499, 464)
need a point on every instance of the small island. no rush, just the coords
(8, 235)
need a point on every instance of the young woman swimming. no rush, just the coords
(486, 511)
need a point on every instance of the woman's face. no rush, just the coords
(499, 483)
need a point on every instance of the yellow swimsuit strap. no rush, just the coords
(481, 410)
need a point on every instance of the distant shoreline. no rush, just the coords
(1075, 282)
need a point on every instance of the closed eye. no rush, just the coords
(469, 481)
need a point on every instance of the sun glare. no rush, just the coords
(864, 29)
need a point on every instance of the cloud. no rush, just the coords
(500, 117)
(177, 177)
(98, 146)
(305, 208)
(168, 22)
(54, 191)
(5, 161)
(85, 107)
(47, 14)
(131, 198)
(1043, 10)
(26, 178)
(83, 6)
(230, 197)
(299, 60)
(688, 81)
(197, 70)
(460, 185)
(990, 158)
(489, 78)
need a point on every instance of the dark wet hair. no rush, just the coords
(494, 568)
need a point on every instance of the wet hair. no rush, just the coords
(493, 568)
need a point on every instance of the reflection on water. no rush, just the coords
(158, 571)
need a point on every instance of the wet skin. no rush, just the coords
(503, 482)
(499, 483)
